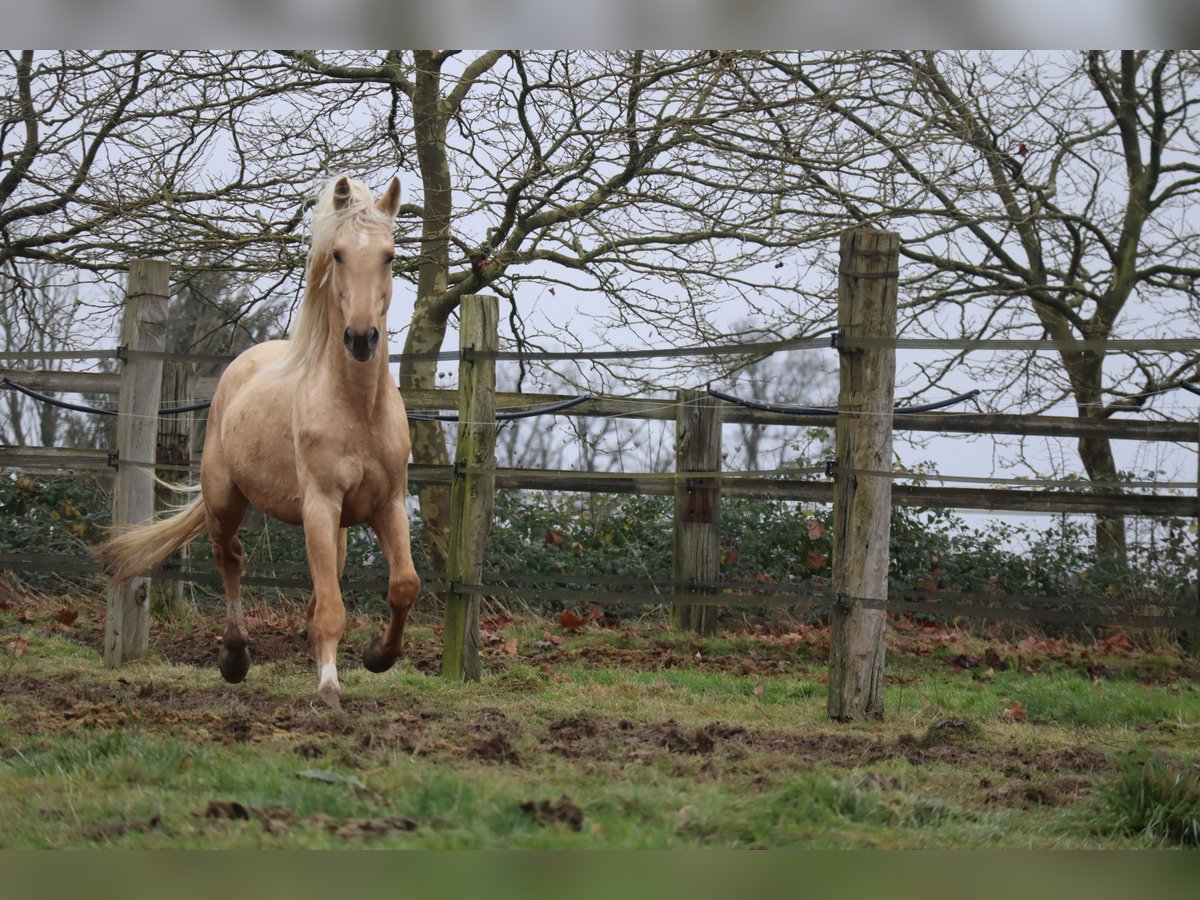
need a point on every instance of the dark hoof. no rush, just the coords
(376, 658)
(234, 662)
(329, 694)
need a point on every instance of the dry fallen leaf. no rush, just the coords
(1015, 712)
(570, 621)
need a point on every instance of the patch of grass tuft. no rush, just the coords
(953, 731)
(1154, 797)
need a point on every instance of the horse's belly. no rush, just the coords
(257, 444)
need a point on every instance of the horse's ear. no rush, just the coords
(389, 203)
(341, 193)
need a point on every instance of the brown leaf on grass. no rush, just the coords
(570, 621)
(509, 648)
(758, 689)
(1015, 712)
(496, 623)
(816, 561)
(17, 647)
(554, 538)
(595, 611)
(67, 616)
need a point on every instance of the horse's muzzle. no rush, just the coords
(361, 346)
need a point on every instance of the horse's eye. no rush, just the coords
(387, 260)
(337, 256)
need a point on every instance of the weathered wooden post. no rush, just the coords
(473, 488)
(696, 550)
(1190, 639)
(127, 622)
(173, 452)
(862, 504)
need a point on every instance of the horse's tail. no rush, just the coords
(143, 547)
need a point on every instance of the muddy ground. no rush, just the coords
(370, 731)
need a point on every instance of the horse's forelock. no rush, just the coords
(328, 222)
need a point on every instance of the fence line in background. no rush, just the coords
(622, 591)
(697, 486)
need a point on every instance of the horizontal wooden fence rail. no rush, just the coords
(1086, 500)
(663, 409)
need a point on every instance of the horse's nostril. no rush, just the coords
(348, 338)
(373, 339)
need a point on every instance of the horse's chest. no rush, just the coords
(370, 486)
(363, 472)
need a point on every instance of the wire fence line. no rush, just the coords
(580, 590)
(1098, 611)
(832, 340)
(101, 460)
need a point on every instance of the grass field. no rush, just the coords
(620, 735)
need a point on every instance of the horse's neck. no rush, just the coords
(362, 384)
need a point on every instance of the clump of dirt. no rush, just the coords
(369, 828)
(578, 726)
(950, 732)
(660, 655)
(112, 830)
(1026, 794)
(562, 810)
(1071, 759)
(279, 819)
(495, 748)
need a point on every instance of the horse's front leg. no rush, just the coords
(391, 527)
(343, 537)
(322, 515)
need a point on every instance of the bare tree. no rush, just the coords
(27, 421)
(1037, 196)
(206, 159)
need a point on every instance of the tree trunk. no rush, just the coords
(1096, 454)
(1101, 468)
(431, 312)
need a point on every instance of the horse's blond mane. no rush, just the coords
(312, 322)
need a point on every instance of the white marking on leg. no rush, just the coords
(328, 678)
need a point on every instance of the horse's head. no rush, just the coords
(360, 264)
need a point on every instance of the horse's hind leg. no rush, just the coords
(225, 515)
(403, 586)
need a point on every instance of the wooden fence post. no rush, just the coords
(696, 550)
(127, 623)
(1190, 639)
(862, 504)
(174, 447)
(473, 486)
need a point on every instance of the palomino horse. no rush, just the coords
(313, 432)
